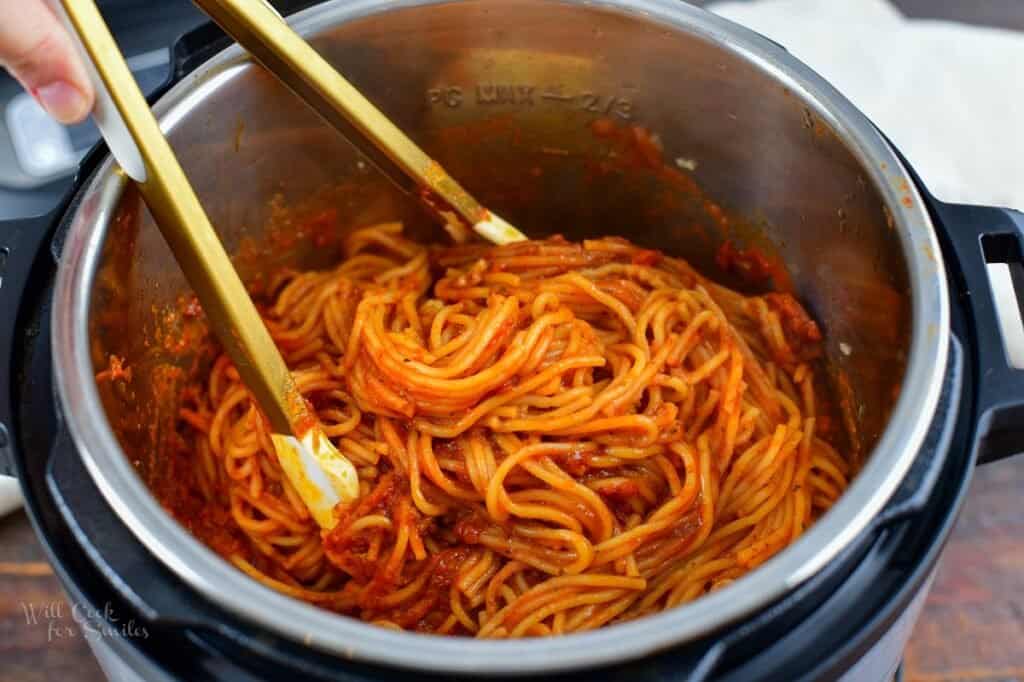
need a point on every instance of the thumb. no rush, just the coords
(38, 52)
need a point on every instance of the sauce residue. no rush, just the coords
(115, 371)
(753, 266)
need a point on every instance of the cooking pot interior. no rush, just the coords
(568, 119)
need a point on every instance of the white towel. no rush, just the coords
(950, 96)
(10, 494)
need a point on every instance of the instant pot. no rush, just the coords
(511, 95)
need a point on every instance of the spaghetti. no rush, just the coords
(549, 436)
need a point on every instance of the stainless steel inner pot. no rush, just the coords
(505, 94)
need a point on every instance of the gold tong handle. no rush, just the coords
(186, 227)
(321, 475)
(262, 31)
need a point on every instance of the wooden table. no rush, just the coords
(972, 627)
(33, 651)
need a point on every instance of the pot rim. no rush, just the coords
(349, 638)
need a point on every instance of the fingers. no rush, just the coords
(38, 52)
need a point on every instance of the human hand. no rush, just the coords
(38, 52)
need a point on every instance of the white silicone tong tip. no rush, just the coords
(104, 112)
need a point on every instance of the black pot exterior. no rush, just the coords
(831, 625)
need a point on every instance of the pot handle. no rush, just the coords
(20, 243)
(975, 237)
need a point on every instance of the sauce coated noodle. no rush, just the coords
(550, 436)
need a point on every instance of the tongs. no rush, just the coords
(257, 27)
(320, 474)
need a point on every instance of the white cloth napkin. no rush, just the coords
(10, 494)
(949, 95)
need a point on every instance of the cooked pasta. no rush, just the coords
(549, 436)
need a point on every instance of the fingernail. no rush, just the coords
(63, 101)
